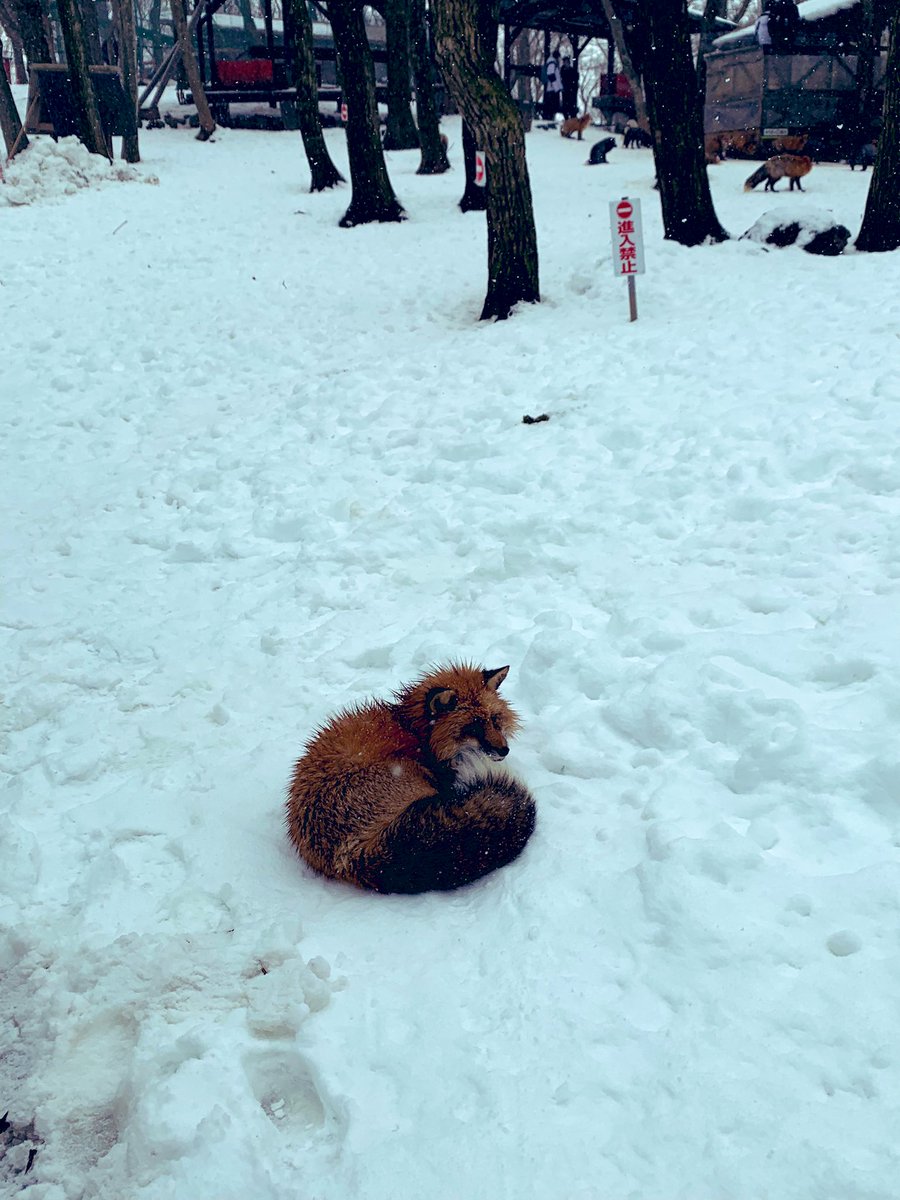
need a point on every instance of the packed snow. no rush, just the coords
(258, 468)
(49, 170)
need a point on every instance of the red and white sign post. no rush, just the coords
(480, 169)
(627, 245)
(344, 113)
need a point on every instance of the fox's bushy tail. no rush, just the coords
(758, 176)
(444, 841)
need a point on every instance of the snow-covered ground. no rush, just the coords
(257, 467)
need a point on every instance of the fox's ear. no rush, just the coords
(493, 679)
(440, 701)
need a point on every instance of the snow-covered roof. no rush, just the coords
(814, 10)
(809, 10)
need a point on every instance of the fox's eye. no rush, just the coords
(495, 720)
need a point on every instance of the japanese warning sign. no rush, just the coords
(627, 236)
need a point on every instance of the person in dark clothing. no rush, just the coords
(762, 33)
(552, 87)
(568, 74)
(783, 21)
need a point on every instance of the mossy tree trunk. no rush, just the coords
(881, 221)
(661, 50)
(87, 114)
(466, 54)
(400, 131)
(373, 197)
(323, 173)
(434, 155)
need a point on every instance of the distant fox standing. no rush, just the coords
(782, 166)
(635, 136)
(390, 796)
(575, 125)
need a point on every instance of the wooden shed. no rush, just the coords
(828, 89)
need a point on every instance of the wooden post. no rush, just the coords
(10, 125)
(123, 15)
(632, 299)
(192, 70)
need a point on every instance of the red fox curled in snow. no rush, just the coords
(398, 797)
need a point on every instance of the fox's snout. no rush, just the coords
(491, 742)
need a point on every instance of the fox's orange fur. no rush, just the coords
(782, 166)
(386, 795)
(575, 125)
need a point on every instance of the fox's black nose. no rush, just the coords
(500, 752)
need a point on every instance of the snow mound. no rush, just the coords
(815, 229)
(49, 170)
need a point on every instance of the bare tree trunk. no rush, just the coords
(859, 130)
(156, 37)
(628, 68)
(10, 124)
(881, 221)
(192, 70)
(434, 154)
(10, 25)
(123, 15)
(373, 197)
(708, 32)
(474, 197)
(87, 114)
(400, 131)
(662, 38)
(467, 60)
(18, 51)
(91, 30)
(29, 16)
(323, 173)
(247, 19)
(19, 60)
